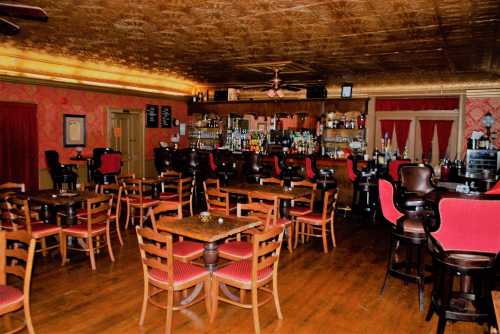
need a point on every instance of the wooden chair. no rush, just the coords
(302, 205)
(218, 202)
(95, 225)
(253, 274)
(318, 221)
(16, 211)
(211, 184)
(134, 193)
(271, 180)
(18, 262)
(165, 274)
(115, 190)
(183, 250)
(124, 177)
(183, 194)
(238, 249)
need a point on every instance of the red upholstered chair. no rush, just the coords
(16, 261)
(405, 232)
(495, 190)
(310, 174)
(212, 164)
(277, 169)
(466, 244)
(115, 190)
(253, 274)
(182, 193)
(353, 176)
(183, 250)
(393, 168)
(319, 224)
(134, 194)
(218, 202)
(165, 274)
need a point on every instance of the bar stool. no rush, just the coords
(405, 231)
(466, 247)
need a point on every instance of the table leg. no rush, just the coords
(70, 215)
(284, 205)
(210, 255)
(45, 214)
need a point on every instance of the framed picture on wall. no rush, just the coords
(74, 130)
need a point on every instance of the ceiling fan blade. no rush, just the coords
(8, 28)
(24, 12)
(255, 86)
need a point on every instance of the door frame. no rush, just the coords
(140, 124)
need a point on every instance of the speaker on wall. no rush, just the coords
(316, 92)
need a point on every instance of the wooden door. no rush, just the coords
(125, 135)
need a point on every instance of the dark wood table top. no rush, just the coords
(496, 301)
(211, 231)
(54, 197)
(246, 188)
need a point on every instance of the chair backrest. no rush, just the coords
(271, 180)
(115, 191)
(15, 213)
(98, 210)
(133, 188)
(277, 168)
(52, 159)
(170, 173)
(495, 190)
(469, 225)
(12, 187)
(210, 184)
(15, 260)
(156, 253)
(351, 174)
(309, 168)
(416, 177)
(122, 178)
(307, 199)
(267, 199)
(266, 251)
(111, 163)
(329, 205)
(263, 212)
(386, 196)
(217, 201)
(393, 168)
(167, 210)
(185, 189)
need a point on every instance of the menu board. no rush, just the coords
(165, 117)
(151, 116)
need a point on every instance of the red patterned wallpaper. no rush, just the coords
(54, 102)
(475, 108)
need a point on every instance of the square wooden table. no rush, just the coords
(285, 196)
(54, 198)
(209, 232)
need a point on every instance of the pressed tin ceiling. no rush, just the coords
(214, 41)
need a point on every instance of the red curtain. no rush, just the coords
(402, 129)
(426, 133)
(443, 133)
(387, 126)
(19, 144)
(447, 103)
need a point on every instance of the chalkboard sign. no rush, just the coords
(151, 116)
(165, 117)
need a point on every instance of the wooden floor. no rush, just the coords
(333, 293)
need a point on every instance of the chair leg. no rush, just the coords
(108, 241)
(421, 276)
(332, 232)
(290, 233)
(27, 316)
(255, 311)
(43, 245)
(141, 217)
(215, 298)
(117, 223)
(64, 248)
(392, 251)
(90, 245)
(297, 227)
(276, 298)
(127, 220)
(325, 241)
(243, 294)
(208, 291)
(144, 302)
(170, 311)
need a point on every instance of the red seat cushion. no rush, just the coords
(42, 230)
(82, 228)
(169, 194)
(10, 295)
(284, 222)
(299, 211)
(187, 248)
(240, 249)
(183, 272)
(242, 271)
(313, 218)
(148, 201)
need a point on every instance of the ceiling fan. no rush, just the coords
(275, 86)
(19, 11)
